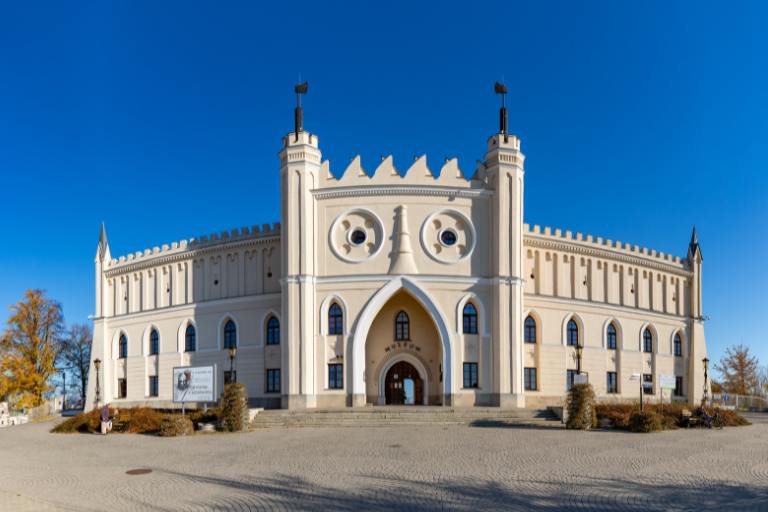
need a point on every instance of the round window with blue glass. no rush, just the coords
(448, 237)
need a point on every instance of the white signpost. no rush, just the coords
(667, 382)
(194, 384)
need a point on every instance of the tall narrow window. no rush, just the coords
(610, 337)
(647, 340)
(122, 388)
(678, 386)
(122, 348)
(154, 342)
(335, 320)
(570, 377)
(470, 318)
(678, 346)
(335, 376)
(611, 383)
(402, 327)
(273, 331)
(530, 379)
(529, 328)
(573, 333)
(190, 339)
(273, 380)
(470, 375)
(153, 385)
(648, 383)
(230, 334)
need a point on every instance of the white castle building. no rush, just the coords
(420, 287)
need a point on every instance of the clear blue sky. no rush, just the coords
(164, 120)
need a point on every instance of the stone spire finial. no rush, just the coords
(102, 250)
(402, 252)
(694, 249)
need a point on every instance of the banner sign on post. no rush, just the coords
(667, 382)
(194, 384)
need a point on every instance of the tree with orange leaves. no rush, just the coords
(29, 348)
(739, 371)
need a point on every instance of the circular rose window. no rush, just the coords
(356, 235)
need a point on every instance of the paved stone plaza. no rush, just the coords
(392, 468)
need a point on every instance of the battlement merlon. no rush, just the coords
(537, 235)
(186, 247)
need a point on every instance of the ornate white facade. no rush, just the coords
(493, 307)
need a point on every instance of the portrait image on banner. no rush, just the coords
(194, 384)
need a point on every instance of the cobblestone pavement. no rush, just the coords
(392, 468)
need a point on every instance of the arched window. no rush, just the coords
(470, 318)
(647, 340)
(273, 331)
(190, 339)
(335, 320)
(230, 334)
(573, 333)
(678, 345)
(610, 337)
(529, 329)
(122, 347)
(154, 342)
(402, 327)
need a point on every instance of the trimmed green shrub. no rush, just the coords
(581, 407)
(176, 425)
(645, 421)
(234, 408)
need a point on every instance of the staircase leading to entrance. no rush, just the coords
(405, 415)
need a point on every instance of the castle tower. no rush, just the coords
(99, 343)
(503, 167)
(697, 343)
(300, 160)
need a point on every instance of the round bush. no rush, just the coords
(645, 421)
(581, 407)
(176, 425)
(234, 408)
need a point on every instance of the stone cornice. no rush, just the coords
(399, 190)
(595, 251)
(191, 252)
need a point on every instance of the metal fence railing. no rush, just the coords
(740, 402)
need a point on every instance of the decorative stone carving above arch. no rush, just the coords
(356, 235)
(448, 236)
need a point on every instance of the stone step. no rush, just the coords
(362, 417)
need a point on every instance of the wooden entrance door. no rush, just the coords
(396, 385)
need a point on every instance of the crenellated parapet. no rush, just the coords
(189, 247)
(598, 246)
(386, 173)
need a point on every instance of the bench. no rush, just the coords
(689, 420)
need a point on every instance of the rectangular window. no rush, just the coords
(530, 379)
(570, 376)
(336, 376)
(122, 388)
(273, 381)
(678, 386)
(153, 385)
(470, 375)
(648, 383)
(230, 376)
(611, 383)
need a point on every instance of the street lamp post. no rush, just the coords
(232, 355)
(705, 397)
(97, 365)
(579, 349)
(64, 398)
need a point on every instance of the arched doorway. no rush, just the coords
(403, 385)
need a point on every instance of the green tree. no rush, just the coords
(738, 370)
(29, 348)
